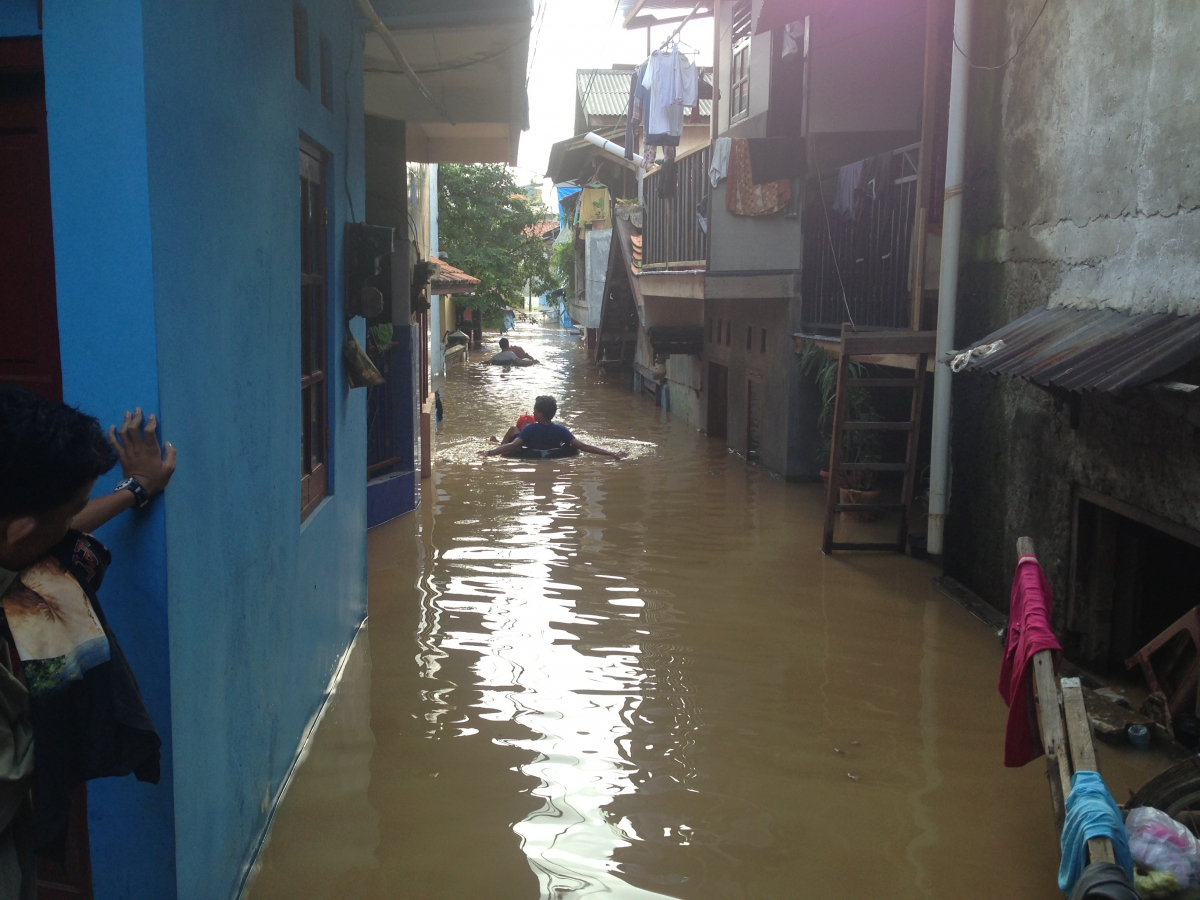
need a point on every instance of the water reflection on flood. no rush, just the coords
(643, 680)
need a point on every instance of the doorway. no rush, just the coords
(755, 389)
(718, 399)
(29, 338)
(1132, 575)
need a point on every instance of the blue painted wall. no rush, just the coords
(175, 131)
(96, 122)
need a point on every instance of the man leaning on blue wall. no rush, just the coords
(70, 708)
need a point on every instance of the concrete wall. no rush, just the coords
(773, 366)
(1081, 191)
(174, 135)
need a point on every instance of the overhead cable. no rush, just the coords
(1020, 44)
(390, 42)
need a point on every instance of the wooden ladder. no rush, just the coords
(877, 343)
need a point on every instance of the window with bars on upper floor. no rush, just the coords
(739, 64)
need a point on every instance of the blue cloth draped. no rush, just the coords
(1091, 813)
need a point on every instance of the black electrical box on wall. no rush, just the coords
(368, 248)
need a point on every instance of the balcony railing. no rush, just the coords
(673, 236)
(856, 261)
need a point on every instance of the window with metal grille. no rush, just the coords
(763, 346)
(749, 338)
(739, 65)
(314, 350)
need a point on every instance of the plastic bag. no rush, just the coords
(1161, 844)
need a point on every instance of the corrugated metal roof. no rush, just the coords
(1091, 350)
(605, 92)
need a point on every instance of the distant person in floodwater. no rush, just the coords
(511, 355)
(518, 351)
(545, 438)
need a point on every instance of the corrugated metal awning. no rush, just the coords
(1089, 349)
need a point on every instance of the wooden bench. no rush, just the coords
(1065, 730)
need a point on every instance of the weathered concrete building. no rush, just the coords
(1083, 195)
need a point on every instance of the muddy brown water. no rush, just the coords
(582, 678)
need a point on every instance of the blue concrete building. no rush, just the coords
(173, 213)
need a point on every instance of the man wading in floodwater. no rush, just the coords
(544, 438)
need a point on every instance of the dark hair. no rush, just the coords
(546, 405)
(503, 343)
(48, 452)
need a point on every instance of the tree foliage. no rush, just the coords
(490, 230)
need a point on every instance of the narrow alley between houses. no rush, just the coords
(643, 679)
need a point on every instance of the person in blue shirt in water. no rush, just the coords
(547, 437)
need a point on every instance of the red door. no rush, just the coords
(29, 338)
(29, 334)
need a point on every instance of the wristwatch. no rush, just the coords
(134, 487)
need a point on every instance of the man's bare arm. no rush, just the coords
(588, 448)
(141, 458)
(504, 449)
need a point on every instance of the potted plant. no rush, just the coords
(857, 446)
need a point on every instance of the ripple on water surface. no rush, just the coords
(643, 680)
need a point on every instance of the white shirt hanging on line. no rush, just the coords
(673, 81)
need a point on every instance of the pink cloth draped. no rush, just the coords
(1029, 613)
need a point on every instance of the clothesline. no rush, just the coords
(675, 33)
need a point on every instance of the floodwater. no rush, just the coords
(584, 678)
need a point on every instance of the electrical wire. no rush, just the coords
(450, 67)
(536, 31)
(389, 41)
(1020, 44)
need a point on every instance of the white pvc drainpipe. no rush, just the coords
(939, 465)
(609, 147)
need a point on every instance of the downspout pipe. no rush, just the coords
(437, 353)
(939, 464)
(615, 149)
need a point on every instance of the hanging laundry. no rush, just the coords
(1091, 812)
(1029, 613)
(849, 178)
(635, 112)
(876, 182)
(667, 178)
(594, 208)
(719, 166)
(745, 198)
(702, 213)
(673, 82)
(776, 158)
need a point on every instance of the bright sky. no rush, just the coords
(580, 34)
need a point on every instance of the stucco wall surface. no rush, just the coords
(1082, 190)
(1096, 124)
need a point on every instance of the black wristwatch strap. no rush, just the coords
(134, 487)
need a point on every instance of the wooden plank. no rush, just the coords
(879, 426)
(889, 546)
(1083, 753)
(1079, 729)
(858, 343)
(884, 382)
(1050, 721)
(835, 450)
(910, 452)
